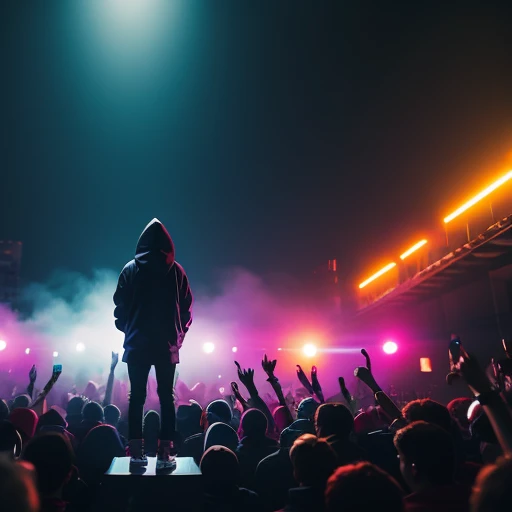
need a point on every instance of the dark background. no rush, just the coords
(269, 135)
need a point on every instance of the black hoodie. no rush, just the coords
(153, 299)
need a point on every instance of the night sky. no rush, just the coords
(269, 135)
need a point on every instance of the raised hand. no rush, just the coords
(473, 374)
(368, 361)
(316, 385)
(364, 375)
(246, 376)
(114, 361)
(269, 366)
(32, 375)
(304, 380)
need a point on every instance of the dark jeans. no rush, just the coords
(138, 373)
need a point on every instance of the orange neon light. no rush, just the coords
(378, 274)
(412, 249)
(479, 197)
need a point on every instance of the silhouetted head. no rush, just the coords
(4, 410)
(52, 456)
(10, 440)
(281, 417)
(93, 412)
(220, 434)
(333, 419)
(74, 410)
(218, 411)
(428, 410)
(491, 492)
(155, 247)
(21, 401)
(313, 461)
(307, 409)
(294, 431)
(188, 419)
(253, 424)
(362, 487)
(25, 421)
(112, 415)
(17, 486)
(51, 418)
(219, 467)
(427, 455)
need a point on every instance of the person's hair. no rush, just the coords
(4, 410)
(220, 434)
(428, 410)
(10, 439)
(21, 401)
(219, 467)
(93, 411)
(112, 414)
(491, 492)
(307, 409)
(362, 487)
(52, 456)
(313, 460)
(253, 424)
(219, 410)
(430, 448)
(75, 406)
(333, 419)
(17, 487)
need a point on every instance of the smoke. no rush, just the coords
(257, 315)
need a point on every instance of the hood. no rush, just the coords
(155, 247)
(220, 434)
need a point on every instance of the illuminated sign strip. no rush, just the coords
(412, 249)
(479, 197)
(377, 274)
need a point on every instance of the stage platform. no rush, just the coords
(179, 489)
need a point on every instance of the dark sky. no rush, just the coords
(269, 135)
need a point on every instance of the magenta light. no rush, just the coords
(3, 345)
(234, 349)
(390, 347)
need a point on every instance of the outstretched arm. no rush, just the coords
(32, 375)
(110, 383)
(38, 404)
(269, 367)
(247, 379)
(315, 384)
(351, 401)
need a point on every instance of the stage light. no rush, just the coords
(390, 347)
(80, 347)
(220, 376)
(412, 249)
(279, 349)
(208, 347)
(27, 351)
(55, 354)
(234, 349)
(309, 350)
(3, 345)
(221, 390)
(378, 274)
(478, 197)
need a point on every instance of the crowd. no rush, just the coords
(315, 456)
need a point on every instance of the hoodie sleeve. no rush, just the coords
(185, 300)
(121, 297)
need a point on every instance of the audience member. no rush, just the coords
(493, 488)
(25, 421)
(336, 423)
(10, 440)
(112, 415)
(362, 487)
(427, 463)
(220, 434)
(18, 492)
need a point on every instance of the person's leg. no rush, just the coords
(138, 374)
(165, 381)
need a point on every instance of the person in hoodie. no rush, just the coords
(153, 308)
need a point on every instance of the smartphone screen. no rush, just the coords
(57, 368)
(454, 350)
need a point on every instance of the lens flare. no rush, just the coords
(309, 350)
(234, 349)
(80, 347)
(27, 351)
(3, 345)
(390, 347)
(55, 354)
(208, 347)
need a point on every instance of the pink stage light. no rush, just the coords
(27, 351)
(3, 345)
(208, 347)
(390, 347)
(234, 349)
(309, 350)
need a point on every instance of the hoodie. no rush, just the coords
(153, 300)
